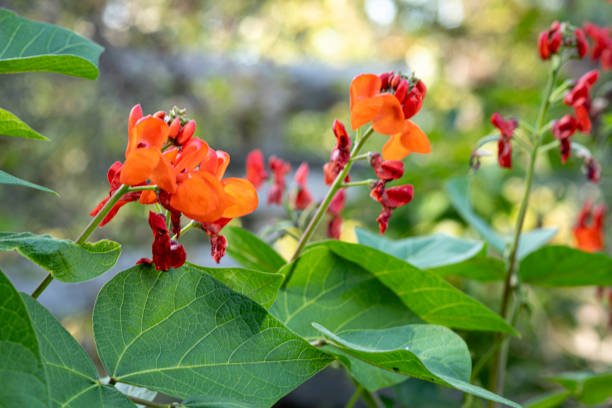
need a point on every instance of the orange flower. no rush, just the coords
(589, 237)
(410, 140)
(368, 104)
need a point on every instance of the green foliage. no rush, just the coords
(425, 293)
(6, 178)
(22, 375)
(428, 352)
(66, 260)
(251, 252)
(11, 125)
(28, 46)
(445, 255)
(550, 400)
(208, 402)
(261, 287)
(184, 333)
(534, 239)
(71, 376)
(589, 388)
(559, 265)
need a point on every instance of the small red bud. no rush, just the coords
(396, 81)
(186, 132)
(402, 91)
(175, 126)
(385, 79)
(160, 114)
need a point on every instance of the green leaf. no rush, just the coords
(458, 189)
(67, 261)
(428, 352)
(71, 375)
(589, 388)
(341, 295)
(558, 265)
(425, 293)
(204, 401)
(251, 252)
(27, 46)
(550, 400)
(6, 178)
(261, 287)
(184, 333)
(22, 375)
(11, 125)
(440, 253)
(534, 239)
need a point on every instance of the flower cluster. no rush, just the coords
(389, 101)
(182, 174)
(560, 35)
(388, 197)
(504, 145)
(340, 154)
(602, 47)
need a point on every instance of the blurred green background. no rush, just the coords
(273, 75)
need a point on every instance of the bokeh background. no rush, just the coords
(273, 75)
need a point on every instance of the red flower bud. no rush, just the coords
(385, 79)
(555, 42)
(160, 114)
(582, 45)
(402, 90)
(175, 126)
(543, 48)
(396, 81)
(504, 145)
(186, 132)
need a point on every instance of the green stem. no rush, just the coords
(368, 182)
(86, 233)
(370, 398)
(351, 403)
(496, 383)
(314, 222)
(186, 228)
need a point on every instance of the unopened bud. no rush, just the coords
(186, 132)
(160, 115)
(175, 127)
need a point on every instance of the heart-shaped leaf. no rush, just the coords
(66, 260)
(251, 252)
(27, 46)
(184, 333)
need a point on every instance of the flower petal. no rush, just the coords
(364, 86)
(394, 149)
(192, 154)
(148, 197)
(414, 139)
(139, 165)
(163, 175)
(390, 117)
(199, 197)
(151, 131)
(223, 160)
(135, 115)
(364, 110)
(240, 197)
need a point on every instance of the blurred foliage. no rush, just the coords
(274, 74)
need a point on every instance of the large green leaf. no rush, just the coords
(440, 253)
(67, 261)
(550, 400)
(11, 125)
(22, 376)
(261, 287)
(558, 265)
(6, 178)
(184, 333)
(534, 239)
(251, 252)
(425, 293)
(71, 375)
(339, 294)
(458, 190)
(27, 46)
(428, 352)
(589, 388)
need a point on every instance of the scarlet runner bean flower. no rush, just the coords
(167, 253)
(279, 169)
(588, 231)
(256, 168)
(579, 98)
(218, 242)
(389, 101)
(550, 41)
(602, 47)
(562, 130)
(340, 154)
(302, 198)
(389, 198)
(504, 146)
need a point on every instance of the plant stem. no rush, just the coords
(367, 182)
(351, 403)
(85, 234)
(146, 403)
(314, 222)
(496, 379)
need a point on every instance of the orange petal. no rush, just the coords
(163, 175)
(414, 139)
(390, 117)
(199, 197)
(193, 153)
(240, 197)
(139, 165)
(364, 86)
(148, 197)
(152, 131)
(223, 160)
(365, 110)
(394, 149)
(135, 115)
(211, 162)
